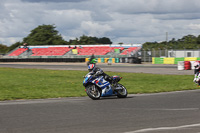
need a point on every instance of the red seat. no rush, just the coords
(51, 51)
(97, 50)
(18, 52)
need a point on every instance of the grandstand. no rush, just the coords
(18, 52)
(74, 51)
(115, 53)
(71, 53)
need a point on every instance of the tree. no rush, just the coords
(186, 42)
(84, 40)
(3, 49)
(105, 40)
(198, 39)
(44, 35)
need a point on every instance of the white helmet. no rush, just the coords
(196, 65)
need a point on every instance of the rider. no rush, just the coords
(97, 71)
(196, 72)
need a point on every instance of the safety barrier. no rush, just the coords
(184, 63)
(165, 60)
(169, 60)
(56, 59)
(181, 65)
(117, 60)
(187, 65)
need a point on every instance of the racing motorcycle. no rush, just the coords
(97, 86)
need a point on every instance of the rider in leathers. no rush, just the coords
(97, 72)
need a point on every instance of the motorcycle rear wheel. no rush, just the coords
(122, 93)
(93, 92)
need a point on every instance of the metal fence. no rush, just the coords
(146, 56)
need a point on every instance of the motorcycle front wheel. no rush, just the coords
(122, 93)
(93, 92)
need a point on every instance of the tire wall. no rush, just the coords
(185, 63)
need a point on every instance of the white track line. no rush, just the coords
(163, 128)
(178, 109)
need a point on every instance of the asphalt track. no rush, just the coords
(174, 112)
(118, 67)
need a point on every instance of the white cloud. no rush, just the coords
(95, 29)
(194, 26)
(127, 21)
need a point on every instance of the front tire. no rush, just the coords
(93, 92)
(122, 93)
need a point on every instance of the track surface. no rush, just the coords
(174, 112)
(134, 68)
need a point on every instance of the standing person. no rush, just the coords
(25, 46)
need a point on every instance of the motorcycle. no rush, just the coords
(97, 86)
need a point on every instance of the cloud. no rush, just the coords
(127, 21)
(95, 29)
(54, 1)
(194, 26)
(156, 6)
(178, 16)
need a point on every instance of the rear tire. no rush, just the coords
(93, 92)
(122, 93)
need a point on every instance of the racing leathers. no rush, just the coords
(98, 72)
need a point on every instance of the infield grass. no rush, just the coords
(40, 83)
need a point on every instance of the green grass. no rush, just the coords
(36, 83)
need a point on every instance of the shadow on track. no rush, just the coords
(115, 97)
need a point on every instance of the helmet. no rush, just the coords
(196, 65)
(91, 67)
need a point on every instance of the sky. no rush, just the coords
(126, 21)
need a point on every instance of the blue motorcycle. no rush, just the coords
(97, 86)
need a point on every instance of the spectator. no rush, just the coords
(25, 46)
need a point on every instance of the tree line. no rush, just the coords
(48, 35)
(186, 42)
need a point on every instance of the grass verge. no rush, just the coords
(36, 83)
